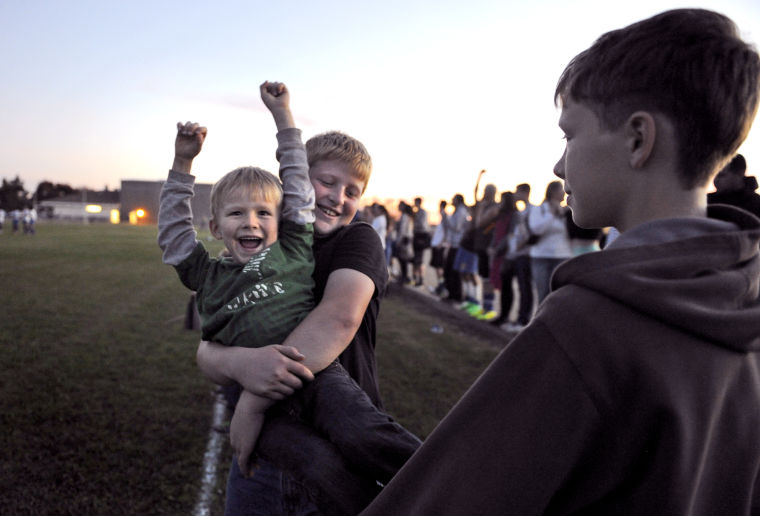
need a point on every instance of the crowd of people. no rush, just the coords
(632, 388)
(493, 247)
(21, 220)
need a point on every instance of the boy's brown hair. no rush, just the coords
(257, 181)
(334, 145)
(689, 65)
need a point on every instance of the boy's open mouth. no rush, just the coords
(249, 242)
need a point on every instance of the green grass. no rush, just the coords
(102, 409)
(422, 374)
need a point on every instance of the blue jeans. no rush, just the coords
(268, 492)
(542, 269)
(373, 444)
(330, 445)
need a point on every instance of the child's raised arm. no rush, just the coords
(187, 145)
(277, 99)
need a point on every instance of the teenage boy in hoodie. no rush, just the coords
(636, 388)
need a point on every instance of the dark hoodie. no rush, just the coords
(635, 390)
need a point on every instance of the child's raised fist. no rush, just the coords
(190, 138)
(275, 95)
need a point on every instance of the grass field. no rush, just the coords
(102, 409)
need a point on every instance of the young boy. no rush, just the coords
(636, 388)
(258, 294)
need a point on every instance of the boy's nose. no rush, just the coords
(253, 220)
(559, 167)
(338, 195)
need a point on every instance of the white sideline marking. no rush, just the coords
(211, 459)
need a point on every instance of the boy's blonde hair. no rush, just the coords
(256, 180)
(334, 145)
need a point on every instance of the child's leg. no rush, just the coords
(245, 426)
(368, 438)
(314, 463)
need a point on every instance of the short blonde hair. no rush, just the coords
(334, 145)
(256, 180)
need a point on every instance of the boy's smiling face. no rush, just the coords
(337, 192)
(590, 166)
(246, 222)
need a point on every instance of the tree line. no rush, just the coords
(13, 195)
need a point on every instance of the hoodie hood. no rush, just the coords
(705, 284)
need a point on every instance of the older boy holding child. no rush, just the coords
(636, 387)
(258, 294)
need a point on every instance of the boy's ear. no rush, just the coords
(640, 133)
(214, 228)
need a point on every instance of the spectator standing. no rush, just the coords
(420, 240)
(517, 262)
(498, 250)
(547, 222)
(390, 239)
(32, 221)
(403, 246)
(15, 216)
(472, 259)
(379, 221)
(438, 250)
(455, 228)
(484, 215)
(2, 219)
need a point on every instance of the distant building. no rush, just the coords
(85, 205)
(136, 202)
(143, 195)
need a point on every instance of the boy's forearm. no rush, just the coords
(214, 362)
(181, 164)
(283, 118)
(328, 329)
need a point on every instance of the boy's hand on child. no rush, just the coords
(187, 145)
(274, 371)
(245, 427)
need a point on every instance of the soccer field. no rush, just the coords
(102, 408)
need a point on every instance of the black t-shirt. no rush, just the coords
(355, 246)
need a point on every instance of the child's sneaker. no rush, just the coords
(475, 310)
(488, 316)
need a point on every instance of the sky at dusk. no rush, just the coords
(437, 90)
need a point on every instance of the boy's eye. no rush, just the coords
(352, 193)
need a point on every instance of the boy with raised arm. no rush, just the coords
(636, 387)
(258, 294)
